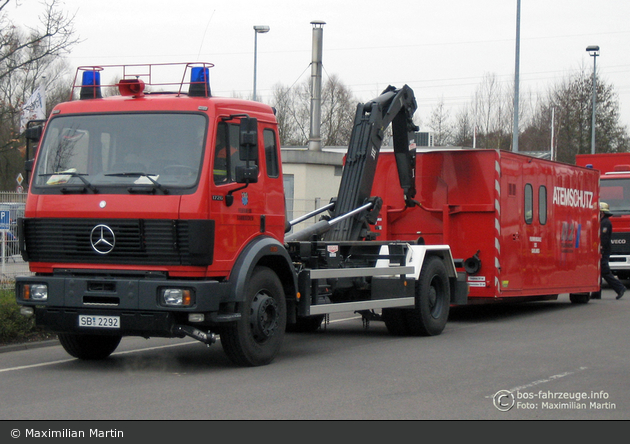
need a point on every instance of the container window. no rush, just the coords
(529, 203)
(542, 205)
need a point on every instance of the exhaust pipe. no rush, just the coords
(186, 330)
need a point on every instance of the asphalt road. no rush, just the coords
(548, 360)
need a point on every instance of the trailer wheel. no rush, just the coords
(257, 336)
(89, 347)
(580, 298)
(430, 314)
(396, 321)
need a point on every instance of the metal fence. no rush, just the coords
(11, 205)
(13, 265)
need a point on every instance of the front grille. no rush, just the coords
(620, 243)
(137, 241)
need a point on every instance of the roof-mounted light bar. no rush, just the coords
(136, 79)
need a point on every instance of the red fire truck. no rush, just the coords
(614, 169)
(526, 228)
(162, 214)
(156, 213)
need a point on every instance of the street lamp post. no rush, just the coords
(594, 52)
(258, 29)
(516, 77)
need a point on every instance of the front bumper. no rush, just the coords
(619, 262)
(136, 301)
(146, 324)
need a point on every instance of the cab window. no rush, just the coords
(226, 157)
(271, 153)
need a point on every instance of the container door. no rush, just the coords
(512, 237)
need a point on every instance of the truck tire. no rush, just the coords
(396, 321)
(257, 336)
(580, 298)
(89, 347)
(307, 324)
(433, 296)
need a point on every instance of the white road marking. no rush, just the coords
(126, 352)
(543, 381)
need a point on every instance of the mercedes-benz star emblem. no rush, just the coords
(102, 239)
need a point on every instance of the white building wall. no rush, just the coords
(316, 178)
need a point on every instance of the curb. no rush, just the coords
(28, 345)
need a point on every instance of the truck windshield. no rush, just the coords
(616, 193)
(108, 151)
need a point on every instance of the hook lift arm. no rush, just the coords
(395, 107)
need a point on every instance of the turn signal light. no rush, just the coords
(35, 292)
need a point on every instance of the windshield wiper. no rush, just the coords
(155, 183)
(64, 190)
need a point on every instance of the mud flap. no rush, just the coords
(459, 289)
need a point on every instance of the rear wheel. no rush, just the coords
(256, 337)
(307, 324)
(396, 321)
(433, 295)
(89, 347)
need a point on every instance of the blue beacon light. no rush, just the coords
(91, 85)
(199, 82)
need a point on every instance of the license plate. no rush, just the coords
(99, 321)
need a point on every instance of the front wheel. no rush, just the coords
(257, 336)
(433, 296)
(89, 347)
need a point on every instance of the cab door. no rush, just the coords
(237, 207)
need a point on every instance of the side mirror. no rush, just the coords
(33, 133)
(246, 174)
(248, 150)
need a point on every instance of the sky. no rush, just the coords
(441, 49)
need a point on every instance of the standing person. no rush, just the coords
(605, 238)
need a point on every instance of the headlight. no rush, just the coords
(35, 292)
(177, 297)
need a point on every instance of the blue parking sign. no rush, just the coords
(5, 220)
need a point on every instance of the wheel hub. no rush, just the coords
(435, 304)
(264, 317)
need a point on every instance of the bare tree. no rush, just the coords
(572, 101)
(440, 123)
(293, 112)
(492, 114)
(29, 57)
(338, 112)
(464, 127)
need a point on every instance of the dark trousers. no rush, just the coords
(610, 278)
